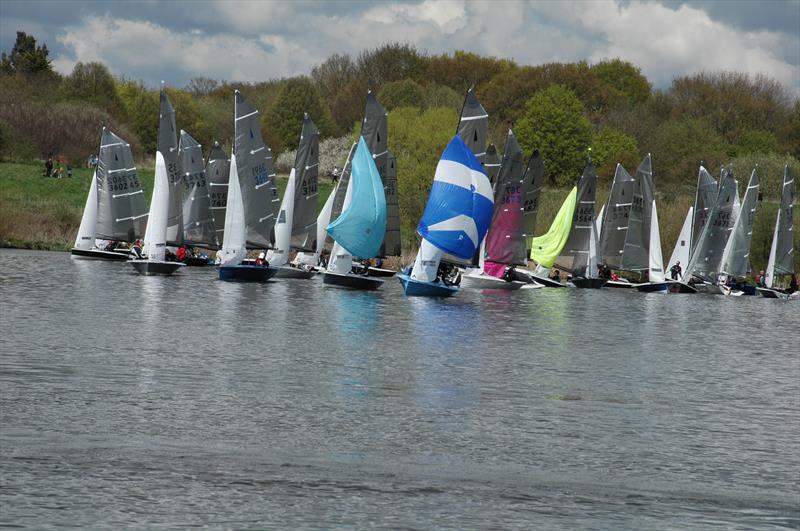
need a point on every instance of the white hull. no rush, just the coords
(480, 280)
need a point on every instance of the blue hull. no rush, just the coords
(416, 288)
(246, 273)
(654, 287)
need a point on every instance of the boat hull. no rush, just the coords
(246, 273)
(379, 272)
(652, 287)
(619, 284)
(416, 288)
(287, 271)
(769, 293)
(675, 286)
(484, 281)
(196, 261)
(589, 283)
(350, 281)
(707, 288)
(97, 254)
(155, 267)
(530, 277)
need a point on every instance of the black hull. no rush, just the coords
(246, 273)
(673, 286)
(382, 273)
(196, 261)
(96, 254)
(149, 268)
(655, 287)
(287, 271)
(361, 282)
(530, 278)
(589, 283)
(618, 284)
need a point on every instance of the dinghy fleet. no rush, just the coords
(476, 229)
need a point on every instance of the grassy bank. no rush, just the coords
(42, 213)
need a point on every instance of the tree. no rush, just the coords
(26, 57)
(285, 116)
(201, 86)
(609, 147)
(755, 141)
(404, 93)
(554, 123)
(390, 62)
(141, 106)
(93, 83)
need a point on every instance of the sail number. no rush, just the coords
(511, 194)
(585, 215)
(219, 199)
(259, 173)
(191, 179)
(174, 173)
(122, 183)
(309, 186)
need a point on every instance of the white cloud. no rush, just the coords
(250, 41)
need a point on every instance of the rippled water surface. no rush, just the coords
(146, 402)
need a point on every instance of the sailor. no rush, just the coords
(761, 279)
(675, 271)
(180, 255)
(136, 250)
(508, 275)
(262, 259)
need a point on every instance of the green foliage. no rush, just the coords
(554, 123)
(285, 116)
(770, 171)
(609, 147)
(141, 106)
(93, 83)
(404, 93)
(26, 57)
(753, 141)
(625, 78)
(417, 139)
(390, 62)
(463, 69)
(442, 96)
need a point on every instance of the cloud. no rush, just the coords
(250, 41)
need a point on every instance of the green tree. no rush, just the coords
(755, 141)
(285, 116)
(609, 147)
(26, 57)
(93, 83)
(404, 93)
(442, 96)
(141, 106)
(554, 123)
(625, 78)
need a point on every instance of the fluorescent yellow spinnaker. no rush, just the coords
(546, 248)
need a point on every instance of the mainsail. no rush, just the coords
(736, 258)
(217, 172)
(705, 198)
(306, 170)
(505, 242)
(706, 259)
(362, 224)
(168, 147)
(574, 256)
(615, 221)
(256, 176)
(547, 247)
(198, 220)
(374, 131)
(121, 208)
(473, 125)
(636, 254)
(784, 250)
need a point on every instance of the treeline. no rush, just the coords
(564, 109)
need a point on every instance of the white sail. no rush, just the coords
(770, 273)
(682, 247)
(598, 222)
(594, 244)
(283, 226)
(233, 243)
(426, 264)
(87, 230)
(323, 220)
(155, 237)
(341, 261)
(656, 259)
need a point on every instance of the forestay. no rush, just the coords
(199, 228)
(256, 176)
(121, 208)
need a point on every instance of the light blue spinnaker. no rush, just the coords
(361, 226)
(460, 204)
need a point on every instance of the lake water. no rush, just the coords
(129, 401)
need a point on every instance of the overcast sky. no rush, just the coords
(259, 40)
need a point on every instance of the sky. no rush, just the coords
(252, 40)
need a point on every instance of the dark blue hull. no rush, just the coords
(654, 287)
(246, 273)
(416, 288)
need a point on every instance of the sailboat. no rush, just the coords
(218, 170)
(706, 259)
(614, 228)
(680, 255)
(579, 253)
(546, 248)
(505, 245)
(374, 131)
(361, 227)
(296, 225)
(736, 257)
(252, 203)
(115, 207)
(455, 219)
(199, 228)
(781, 254)
(160, 221)
(656, 281)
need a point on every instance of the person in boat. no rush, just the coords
(554, 275)
(509, 274)
(169, 256)
(136, 250)
(761, 279)
(379, 262)
(792, 284)
(180, 254)
(613, 276)
(262, 259)
(322, 261)
(676, 270)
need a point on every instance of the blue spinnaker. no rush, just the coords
(361, 226)
(460, 204)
